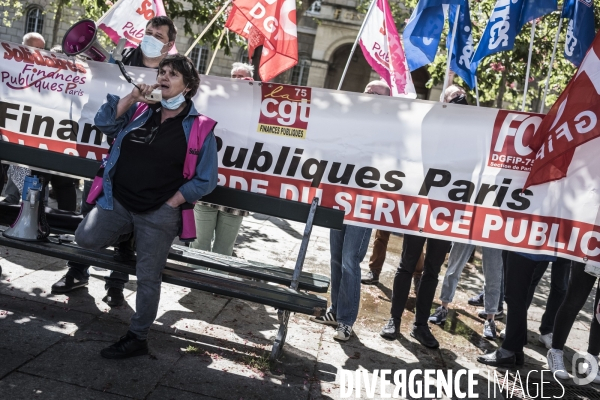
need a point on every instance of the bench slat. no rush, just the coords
(258, 292)
(252, 269)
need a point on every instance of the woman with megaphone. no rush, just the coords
(159, 38)
(163, 159)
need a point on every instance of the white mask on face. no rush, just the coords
(151, 46)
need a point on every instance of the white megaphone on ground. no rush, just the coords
(81, 39)
(31, 225)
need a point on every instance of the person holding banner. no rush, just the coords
(15, 174)
(143, 185)
(348, 248)
(212, 220)
(159, 38)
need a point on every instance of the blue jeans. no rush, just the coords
(492, 271)
(348, 248)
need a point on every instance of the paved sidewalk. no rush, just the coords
(207, 346)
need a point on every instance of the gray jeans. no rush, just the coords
(154, 232)
(492, 271)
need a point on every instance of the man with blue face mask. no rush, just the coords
(157, 42)
(159, 38)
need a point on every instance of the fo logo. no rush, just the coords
(510, 140)
(284, 110)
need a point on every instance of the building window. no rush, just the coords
(300, 72)
(200, 58)
(35, 20)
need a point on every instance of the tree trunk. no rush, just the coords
(57, 17)
(501, 90)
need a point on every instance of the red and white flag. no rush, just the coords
(128, 19)
(383, 50)
(571, 122)
(271, 24)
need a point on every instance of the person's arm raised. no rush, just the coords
(137, 95)
(116, 113)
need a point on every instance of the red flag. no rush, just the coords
(572, 121)
(271, 24)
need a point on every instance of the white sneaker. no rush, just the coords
(556, 364)
(502, 334)
(342, 332)
(591, 359)
(546, 340)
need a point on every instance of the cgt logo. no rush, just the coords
(284, 110)
(512, 133)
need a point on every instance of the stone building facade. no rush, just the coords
(326, 33)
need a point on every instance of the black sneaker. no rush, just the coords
(327, 319)
(68, 283)
(370, 279)
(424, 336)
(483, 315)
(476, 300)
(439, 316)
(496, 359)
(114, 297)
(391, 329)
(128, 346)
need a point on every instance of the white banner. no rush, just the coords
(426, 168)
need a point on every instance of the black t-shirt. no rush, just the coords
(134, 57)
(150, 167)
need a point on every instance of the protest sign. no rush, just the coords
(440, 170)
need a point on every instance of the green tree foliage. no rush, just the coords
(501, 76)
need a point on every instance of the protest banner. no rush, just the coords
(426, 168)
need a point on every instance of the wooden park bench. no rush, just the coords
(228, 276)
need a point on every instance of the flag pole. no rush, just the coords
(212, 59)
(528, 65)
(355, 43)
(207, 27)
(551, 63)
(450, 50)
(476, 90)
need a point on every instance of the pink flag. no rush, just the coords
(383, 50)
(128, 19)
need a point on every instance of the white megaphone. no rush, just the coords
(31, 225)
(81, 39)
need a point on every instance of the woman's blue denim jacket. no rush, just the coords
(200, 185)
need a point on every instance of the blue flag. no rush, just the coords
(506, 21)
(580, 31)
(423, 31)
(462, 52)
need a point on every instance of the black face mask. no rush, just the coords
(462, 99)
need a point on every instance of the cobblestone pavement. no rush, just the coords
(207, 346)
